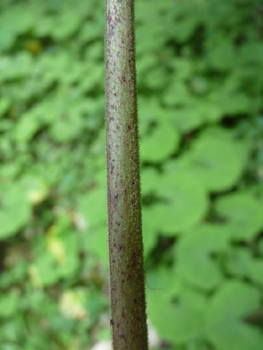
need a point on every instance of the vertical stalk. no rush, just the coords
(127, 291)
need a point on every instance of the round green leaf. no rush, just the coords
(149, 230)
(225, 313)
(15, 209)
(175, 311)
(36, 188)
(160, 143)
(156, 78)
(193, 254)
(183, 202)
(159, 137)
(93, 206)
(196, 113)
(187, 118)
(183, 28)
(235, 103)
(9, 304)
(66, 24)
(182, 66)
(242, 264)
(26, 127)
(222, 56)
(57, 255)
(66, 127)
(216, 163)
(149, 180)
(7, 38)
(238, 263)
(176, 94)
(42, 272)
(5, 104)
(95, 241)
(243, 215)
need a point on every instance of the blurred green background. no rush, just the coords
(200, 86)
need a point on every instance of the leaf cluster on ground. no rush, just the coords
(199, 65)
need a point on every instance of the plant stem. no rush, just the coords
(129, 329)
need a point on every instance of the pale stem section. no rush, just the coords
(129, 329)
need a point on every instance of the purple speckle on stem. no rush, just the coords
(124, 221)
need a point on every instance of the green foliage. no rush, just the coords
(15, 209)
(201, 130)
(224, 328)
(216, 162)
(182, 202)
(174, 301)
(194, 255)
(242, 213)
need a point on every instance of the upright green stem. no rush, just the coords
(129, 329)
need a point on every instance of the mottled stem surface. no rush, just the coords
(127, 291)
